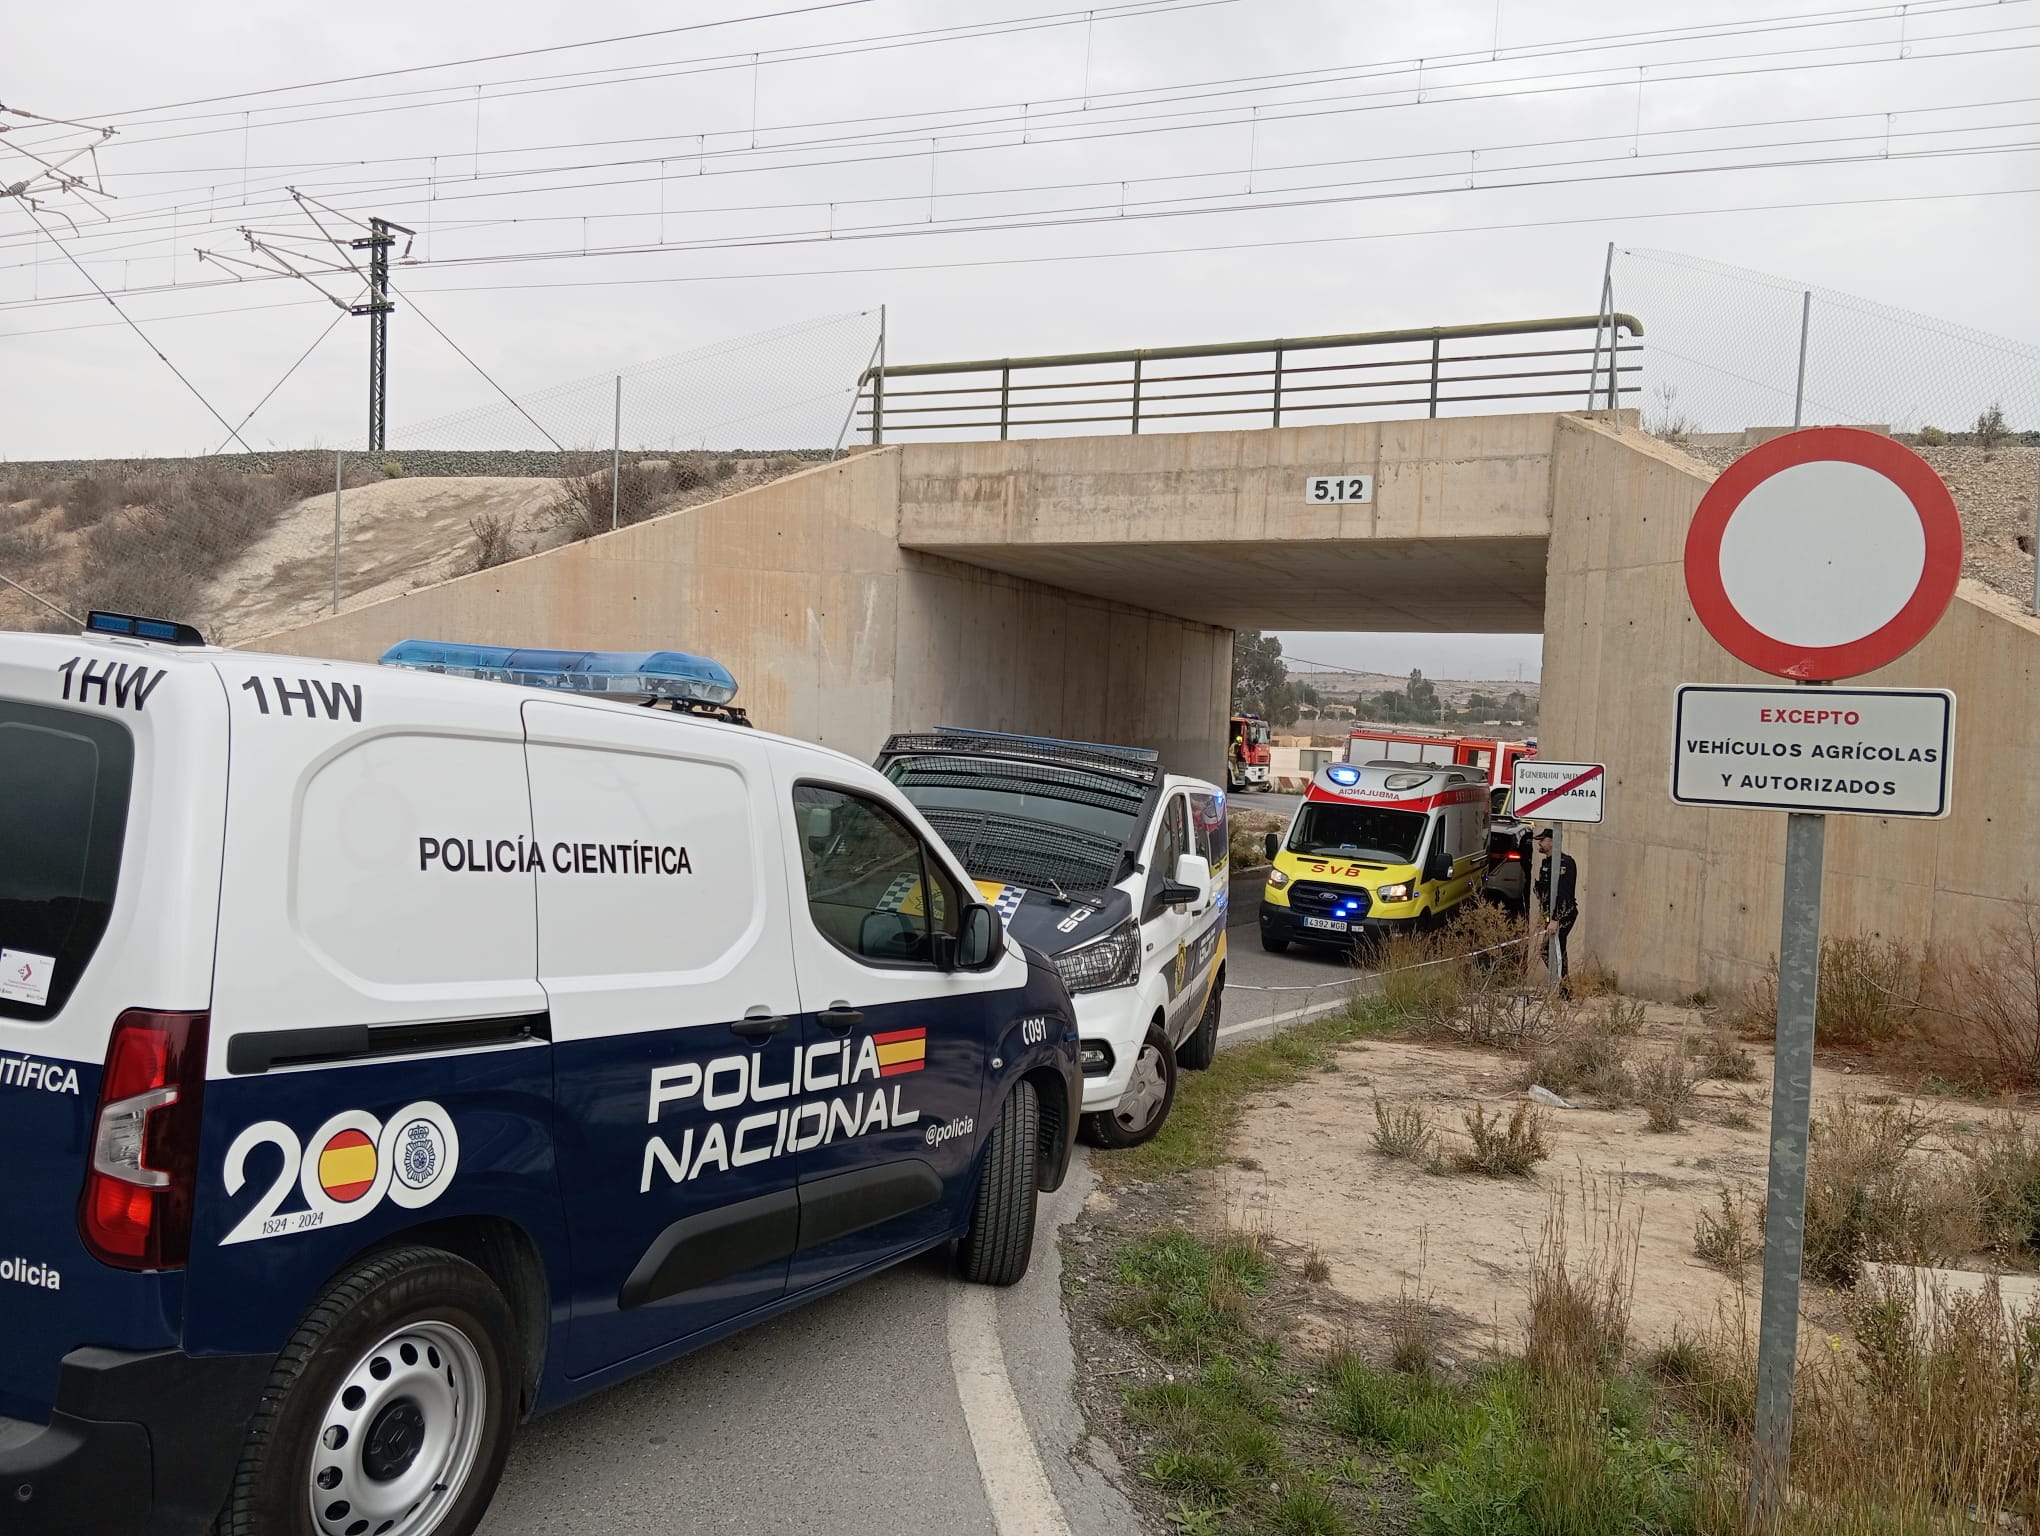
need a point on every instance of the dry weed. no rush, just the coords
(585, 505)
(1414, 1335)
(1945, 1409)
(1422, 981)
(1585, 1058)
(1316, 1267)
(1868, 1196)
(1665, 1087)
(1722, 1059)
(2004, 1170)
(1872, 992)
(493, 545)
(1728, 1238)
(1403, 1132)
(1499, 1149)
(1581, 1285)
(1993, 986)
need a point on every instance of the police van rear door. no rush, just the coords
(112, 791)
(664, 953)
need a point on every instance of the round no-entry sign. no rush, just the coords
(1824, 553)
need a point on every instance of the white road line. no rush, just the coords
(1294, 1015)
(1016, 1484)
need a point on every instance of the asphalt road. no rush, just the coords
(908, 1402)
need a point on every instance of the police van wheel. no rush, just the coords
(1197, 1051)
(390, 1411)
(1144, 1107)
(1000, 1239)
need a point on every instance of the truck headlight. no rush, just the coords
(1110, 961)
(1402, 890)
(1277, 879)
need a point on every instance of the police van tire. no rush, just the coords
(1000, 1239)
(1144, 1109)
(406, 1298)
(1201, 1044)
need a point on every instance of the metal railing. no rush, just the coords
(1393, 370)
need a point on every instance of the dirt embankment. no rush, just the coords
(1307, 1169)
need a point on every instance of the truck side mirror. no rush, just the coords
(1273, 843)
(982, 942)
(1192, 883)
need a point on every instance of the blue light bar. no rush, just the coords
(1344, 774)
(100, 622)
(632, 674)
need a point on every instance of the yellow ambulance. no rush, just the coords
(1375, 848)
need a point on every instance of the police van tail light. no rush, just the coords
(136, 1210)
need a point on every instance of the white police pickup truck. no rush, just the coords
(386, 1057)
(1111, 866)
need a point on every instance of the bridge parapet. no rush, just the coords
(1560, 363)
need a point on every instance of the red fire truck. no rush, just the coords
(1249, 761)
(1494, 757)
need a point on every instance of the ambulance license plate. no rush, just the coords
(1328, 924)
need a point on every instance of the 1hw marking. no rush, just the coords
(331, 698)
(119, 684)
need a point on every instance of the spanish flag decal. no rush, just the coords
(347, 1166)
(901, 1050)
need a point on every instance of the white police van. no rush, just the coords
(1112, 867)
(386, 1057)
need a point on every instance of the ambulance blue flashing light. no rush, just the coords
(635, 674)
(1343, 774)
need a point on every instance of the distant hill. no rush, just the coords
(1345, 686)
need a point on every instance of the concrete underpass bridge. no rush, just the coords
(1088, 587)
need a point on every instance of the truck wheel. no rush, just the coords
(1000, 1238)
(1144, 1106)
(1202, 1044)
(1272, 944)
(389, 1412)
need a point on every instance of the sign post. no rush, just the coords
(1822, 554)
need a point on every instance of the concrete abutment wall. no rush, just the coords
(1677, 899)
(835, 633)
(839, 634)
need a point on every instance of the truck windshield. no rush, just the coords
(1358, 831)
(1031, 823)
(64, 780)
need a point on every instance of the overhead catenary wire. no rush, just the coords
(37, 597)
(952, 147)
(1433, 64)
(293, 368)
(491, 58)
(1215, 248)
(748, 59)
(478, 368)
(1203, 89)
(1109, 132)
(1460, 159)
(1066, 220)
(232, 432)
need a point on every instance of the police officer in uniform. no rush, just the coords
(1561, 909)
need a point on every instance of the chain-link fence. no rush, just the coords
(246, 545)
(1723, 350)
(1731, 356)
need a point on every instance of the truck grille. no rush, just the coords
(1314, 898)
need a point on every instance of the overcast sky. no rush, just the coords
(1150, 141)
